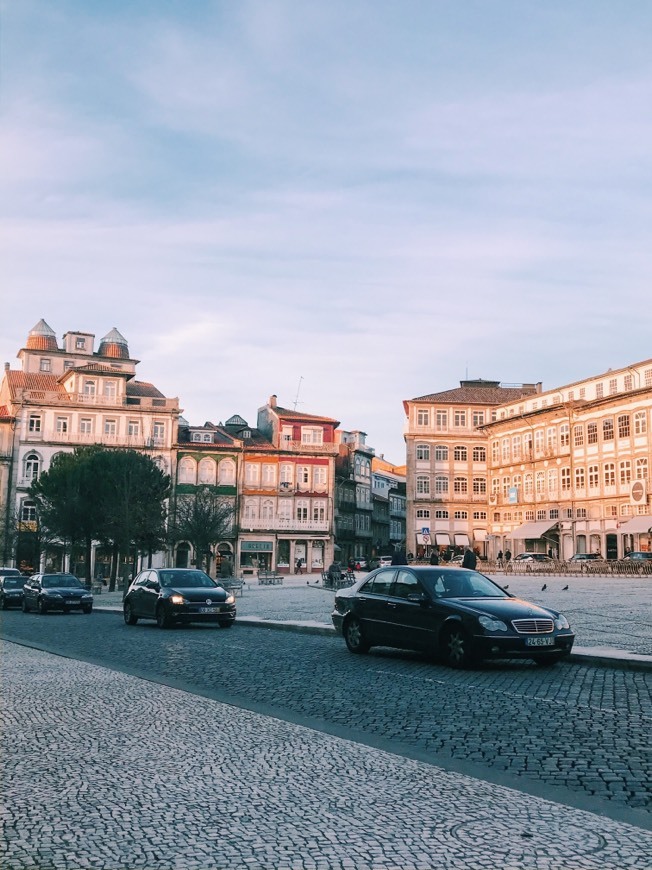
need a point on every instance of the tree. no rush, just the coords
(202, 519)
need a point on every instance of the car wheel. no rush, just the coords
(225, 624)
(456, 647)
(4, 603)
(129, 615)
(42, 606)
(163, 617)
(88, 608)
(354, 636)
(25, 606)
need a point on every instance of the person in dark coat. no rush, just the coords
(399, 558)
(434, 558)
(470, 560)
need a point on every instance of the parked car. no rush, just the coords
(59, 591)
(175, 595)
(384, 561)
(457, 560)
(11, 587)
(639, 556)
(586, 557)
(532, 557)
(458, 615)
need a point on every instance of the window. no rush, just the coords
(460, 485)
(80, 343)
(286, 433)
(640, 423)
(479, 486)
(423, 451)
(495, 451)
(423, 417)
(423, 514)
(90, 388)
(312, 435)
(269, 474)
(551, 438)
(286, 475)
(594, 480)
(158, 432)
(441, 453)
(625, 471)
(133, 428)
(554, 513)
(186, 471)
(613, 386)
(540, 481)
(45, 365)
(610, 474)
(478, 418)
(578, 435)
(628, 383)
(599, 391)
(251, 509)
(86, 426)
(423, 484)
(110, 427)
(460, 454)
(460, 419)
(538, 441)
(479, 515)
(319, 510)
(527, 444)
(196, 436)
(527, 484)
(441, 485)
(541, 515)
(302, 510)
(648, 377)
(516, 447)
(207, 471)
(641, 469)
(580, 479)
(267, 509)
(505, 449)
(479, 454)
(34, 422)
(303, 476)
(319, 475)
(565, 479)
(442, 419)
(28, 512)
(461, 515)
(110, 390)
(608, 430)
(592, 433)
(62, 425)
(32, 467)
(441, 515)
(226, 472)
(623, 426)
(552, 480)
(252, 473)
(68, 364)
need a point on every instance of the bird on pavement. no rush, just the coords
(544, 587)
(564, 589)
(506, 586)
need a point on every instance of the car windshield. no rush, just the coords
(63, 581)
(186, 579)
(13, 583)
(456, 583)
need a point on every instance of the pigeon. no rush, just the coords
(506, 586)
(544, 587)
(564, 589)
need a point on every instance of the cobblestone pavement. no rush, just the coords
(152, 791)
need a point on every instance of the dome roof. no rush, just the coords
(42, 337)
(114, 345)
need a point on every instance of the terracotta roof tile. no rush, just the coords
(19, 380)
(142, 388)
(297, 415)
(478, 395)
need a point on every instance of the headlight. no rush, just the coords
(561, 622)
(490, 624)
(87, 595)
(50, 593)
(177, 599)
(230, 599)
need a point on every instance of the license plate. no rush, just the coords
(539, 641)
(209, 609)
(71, 601)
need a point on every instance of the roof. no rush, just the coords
(298, 415)
(142, 388)
(19, 380)
(96, 367)
(478, 395)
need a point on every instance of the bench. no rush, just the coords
(269, 578)
(347, 578)
(232, 584)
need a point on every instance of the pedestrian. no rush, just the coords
(499, 557)
(508, 554)
(298, 565)
(434, 558)
(399, 558)
(470, 560)
(334, 573)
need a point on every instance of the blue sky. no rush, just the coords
(369, 200)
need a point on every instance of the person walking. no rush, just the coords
(470, 560)
(434, 558)
(508, 555)
(298, 565)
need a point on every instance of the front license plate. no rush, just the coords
(71, 601)
(539, 641)
(209, 609)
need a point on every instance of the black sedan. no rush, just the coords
(11, 588)
(174, 595)
(457, 615)
(45, 592)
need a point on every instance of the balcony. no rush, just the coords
(300, 447)
(75, 438)
(285, 524)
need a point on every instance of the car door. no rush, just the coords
(150, 592)
(371, 604)
(31, 591)
(410, 616)
(137, 595)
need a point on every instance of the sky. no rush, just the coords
(345, 204)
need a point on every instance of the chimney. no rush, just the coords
(7, 366)
(272, 401)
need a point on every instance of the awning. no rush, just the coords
(479, 534)
(461, 540)
(531, 530)
(442, 539)
(637, 525)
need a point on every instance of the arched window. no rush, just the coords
(441, 484)
(423, 484)
(267, 509)
(207, 471)
(479, 454)
(251, 509)
(460, 454)
(479, 486)
(441, 452)
(32, 467)
(460, 485)
(187, 470)
(226, 472)
(423, 451)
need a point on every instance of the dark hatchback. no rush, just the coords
(45, 592)
(11, 588)
(454, 614)
(178, 595)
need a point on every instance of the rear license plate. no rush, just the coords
(539, 641)
(209, 609)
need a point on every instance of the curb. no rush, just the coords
(603, 656)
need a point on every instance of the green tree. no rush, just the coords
(203, 519)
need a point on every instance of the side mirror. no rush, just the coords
(419, 598)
